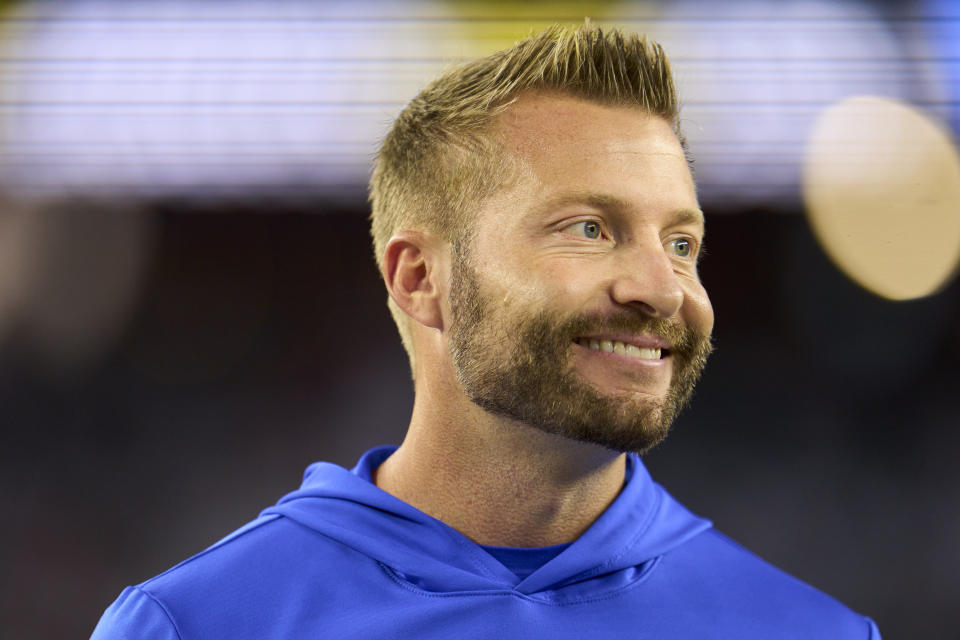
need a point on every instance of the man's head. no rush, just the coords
(443, 157)
(555, 176)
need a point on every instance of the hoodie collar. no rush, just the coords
(641, 524)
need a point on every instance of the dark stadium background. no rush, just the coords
(254, 339)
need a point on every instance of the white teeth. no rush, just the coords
(649, 354)
(615, 346)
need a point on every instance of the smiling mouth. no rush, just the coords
(624, 349)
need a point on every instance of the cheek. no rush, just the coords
(510, 287)
(526, 280)
(560, 286)
(698, 312)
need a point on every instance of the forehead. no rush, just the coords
(537, 125)
(570, 149)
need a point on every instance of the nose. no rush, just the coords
(646, 281)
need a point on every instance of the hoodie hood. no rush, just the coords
(620, 547)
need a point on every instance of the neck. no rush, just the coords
(499, 482)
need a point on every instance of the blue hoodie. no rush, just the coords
(340, 558)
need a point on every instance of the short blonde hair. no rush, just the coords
(441, 160)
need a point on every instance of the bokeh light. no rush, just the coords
(882, 187)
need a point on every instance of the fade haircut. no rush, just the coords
(442, 158)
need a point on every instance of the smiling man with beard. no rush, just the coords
(536, 224)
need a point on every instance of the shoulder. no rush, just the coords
(216, 593)
(136, 614)
(731, 583)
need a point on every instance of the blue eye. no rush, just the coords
(681, 247)
(591, 228)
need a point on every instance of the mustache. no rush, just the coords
(684, 340)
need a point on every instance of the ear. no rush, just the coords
(412, 270)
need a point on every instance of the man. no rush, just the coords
(537, 227)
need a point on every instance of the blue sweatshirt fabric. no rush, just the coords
(340, 558)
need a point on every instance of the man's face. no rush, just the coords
(595, 245)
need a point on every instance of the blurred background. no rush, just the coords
(190, 312)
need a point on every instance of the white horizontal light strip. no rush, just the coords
(159, 97)
(163, 96)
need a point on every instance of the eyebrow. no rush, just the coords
(607, 202)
